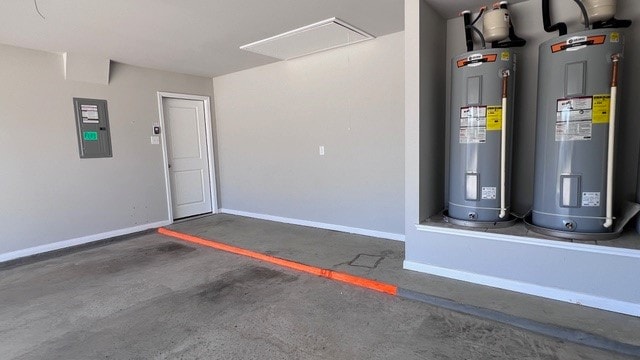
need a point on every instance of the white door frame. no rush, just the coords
(209, 132)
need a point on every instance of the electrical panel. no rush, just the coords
(92, 123)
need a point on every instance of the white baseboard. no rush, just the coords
(347, 229)
(78, 241)
(598, 249)
(597, 302)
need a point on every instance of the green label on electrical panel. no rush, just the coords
(90, 135)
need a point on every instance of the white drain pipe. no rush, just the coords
(503, 147)
(611, 149)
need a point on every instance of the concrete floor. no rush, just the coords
(151, 297)
(334, 250)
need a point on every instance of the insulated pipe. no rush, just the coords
(546, 19)
(615, 59)
(503, 146)
(466, 16)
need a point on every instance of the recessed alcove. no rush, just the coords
(601, 274)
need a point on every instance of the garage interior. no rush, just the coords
(311, 227)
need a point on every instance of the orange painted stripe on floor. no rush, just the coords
(326, 273)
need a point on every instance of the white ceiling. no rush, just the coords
(199, 37)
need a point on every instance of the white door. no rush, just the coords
(187, 156)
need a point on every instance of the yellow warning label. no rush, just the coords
(494, 118)
(615, 37)
(504, 56)
(601, 108)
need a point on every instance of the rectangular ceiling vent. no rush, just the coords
(323, 35)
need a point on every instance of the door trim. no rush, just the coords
(210, 153)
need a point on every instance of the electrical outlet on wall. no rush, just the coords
(321, 150)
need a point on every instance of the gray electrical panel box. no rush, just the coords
(92, 123)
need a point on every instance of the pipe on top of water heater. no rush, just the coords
(466, 16)
(546, 20)
(470, 28)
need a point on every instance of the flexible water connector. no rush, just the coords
(585, 14)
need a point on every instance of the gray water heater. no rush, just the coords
(480, 80)
(575, 75)
(481, 120)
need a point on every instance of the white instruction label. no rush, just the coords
(574, 115)
(89, 114)
(574, 119)
(489, 193)
(591, 199)
(473, 122)
(473, 135)
(473, 125)
(573, 131)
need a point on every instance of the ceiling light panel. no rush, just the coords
(323, 35)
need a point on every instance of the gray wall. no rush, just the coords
(271, 119)
(424, 120)
(48, 193)
(527, 18)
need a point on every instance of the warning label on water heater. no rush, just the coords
(494, 118)
(489, 192)
(574, 119)
(473, 125)
(601, 104)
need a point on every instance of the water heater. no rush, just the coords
(482, 99)
(578, 78)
